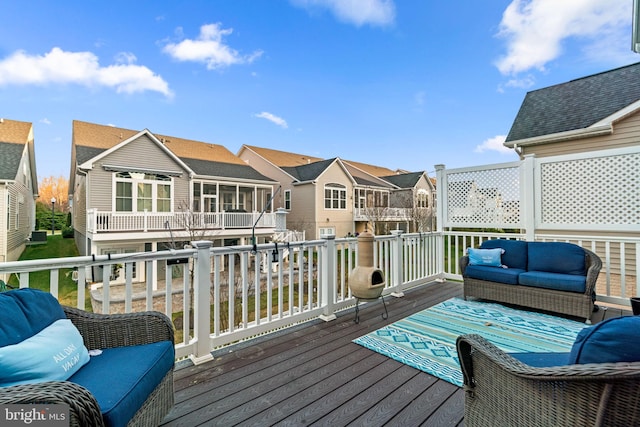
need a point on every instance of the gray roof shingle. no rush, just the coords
(308, 172)
(576, 104)
(227, 170)
(404, 180)
(10, 156)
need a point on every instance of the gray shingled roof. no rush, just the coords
(10, 155)
(308, 172)
(404, 180)
(200, 167)
(227, 170)
(87, 153)
(366, 182)
(577, 104)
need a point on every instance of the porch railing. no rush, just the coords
(110, 221)
(382, 214)
(217, 296)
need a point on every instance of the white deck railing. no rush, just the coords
(109, 221)
(239, 292)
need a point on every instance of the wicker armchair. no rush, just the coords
(501, 391)
(100, 331)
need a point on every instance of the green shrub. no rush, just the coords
(67, 232)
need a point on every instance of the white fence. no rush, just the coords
(235, 293)
(590, 192)
(238, 292)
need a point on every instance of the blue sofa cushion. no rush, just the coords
(122, 378)
(487, 257)
(559, 282)
(556, 257)
(542, 360)
(493, 274)
(613, 340)
(515, 252)
(30, 311)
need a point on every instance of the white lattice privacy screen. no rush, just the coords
(598, 192)
(488, 198)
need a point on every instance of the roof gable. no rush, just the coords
(93, 141)
(308, 172)
(14, 137)
(577, 104)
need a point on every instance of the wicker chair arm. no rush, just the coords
(594, 264)
(116, 330)
(467, 345)
(83, 407)
(463, 262)
(500, 390)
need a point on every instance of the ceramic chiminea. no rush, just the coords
(366, 281)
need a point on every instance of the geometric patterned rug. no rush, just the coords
(427, 340)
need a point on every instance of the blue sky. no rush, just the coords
(397, 83)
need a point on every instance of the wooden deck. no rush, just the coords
(313, 374)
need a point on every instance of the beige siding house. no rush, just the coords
(18, 187)
(138, 191)
(590, 129)
(342, 197)
(593, 113)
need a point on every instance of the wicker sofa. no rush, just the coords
(122, 375)
(553, 276)
(596, 384)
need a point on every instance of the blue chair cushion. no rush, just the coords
(493, 274)
(559, 282)
(542, 360)
(613, 340)
(122, 378)
(30, 311)
(556, 257)
(515, 252)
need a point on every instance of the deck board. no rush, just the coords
(313, 374)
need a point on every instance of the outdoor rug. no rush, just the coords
(427, 340)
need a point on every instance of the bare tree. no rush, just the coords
(378, 217)
(420, 218)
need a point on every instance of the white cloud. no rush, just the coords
(535, 29)
(357, 12)
(209, 48)
(45, 121)
(60, 67)
(419, 97)
(273, 118)
(494, 144)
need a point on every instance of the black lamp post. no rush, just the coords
(53, 216)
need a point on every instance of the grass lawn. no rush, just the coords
(56, 247)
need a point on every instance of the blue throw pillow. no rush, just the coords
(613, 340)
(53, 354)
(486, 257)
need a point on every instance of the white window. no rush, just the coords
(422, 199)
(327, 231)
(139, 192)
(287, 199)
(335, 196)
